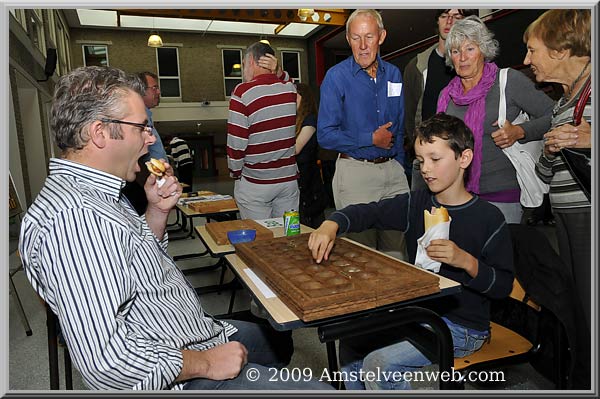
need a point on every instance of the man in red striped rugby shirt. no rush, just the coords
(261, 139)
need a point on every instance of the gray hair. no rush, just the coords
(370, 12)
(474, 29)
(258, 49)
(85, 95)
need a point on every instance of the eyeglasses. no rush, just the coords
(153, 88)
(454, 17)
(145, 127)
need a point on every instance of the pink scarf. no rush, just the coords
(475, 115)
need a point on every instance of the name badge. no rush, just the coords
(394, 89)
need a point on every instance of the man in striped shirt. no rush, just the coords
(184, 163)
(129, 317)
(261, 139)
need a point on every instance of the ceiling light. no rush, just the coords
(304, 13)
(265, 41)
(155, 40)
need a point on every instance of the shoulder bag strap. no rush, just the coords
(502, 103)
(580, 106)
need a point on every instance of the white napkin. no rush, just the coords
(439, 231)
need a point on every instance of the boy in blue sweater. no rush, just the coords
(478, 253)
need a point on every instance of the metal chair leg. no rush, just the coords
(52, 349)
(68, 370)
(20, 310)
(52, 325)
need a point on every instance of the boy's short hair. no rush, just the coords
(449, 128)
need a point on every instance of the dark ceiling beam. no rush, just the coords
(337, 17)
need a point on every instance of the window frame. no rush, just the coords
(94, 45)
(35, 29)
(20, 16)
(226, 78)
(178, 77)
(62, 47)
(297, 52)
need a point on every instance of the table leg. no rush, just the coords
(176, 223)
(332, 362)
(190, 232)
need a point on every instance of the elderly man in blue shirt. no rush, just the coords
(361, 116)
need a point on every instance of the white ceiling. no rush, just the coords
(108, 19)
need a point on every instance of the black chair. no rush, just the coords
(53, 332)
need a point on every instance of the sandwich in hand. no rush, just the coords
(156, 167)
(437, 216)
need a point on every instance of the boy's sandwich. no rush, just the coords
(437, 216)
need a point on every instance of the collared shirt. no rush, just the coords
(126, 311)
(261, 130)
(353, 105)
(156, 150)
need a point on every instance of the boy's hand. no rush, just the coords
(321, 240)
(446, 251)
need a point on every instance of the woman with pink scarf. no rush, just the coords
(473, 95)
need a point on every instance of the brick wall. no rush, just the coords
(200, 60)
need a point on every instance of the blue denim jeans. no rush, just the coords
(402, 357)
(260, 372)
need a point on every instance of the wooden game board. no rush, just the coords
(218, 231)
(354, 278)
(213, 206)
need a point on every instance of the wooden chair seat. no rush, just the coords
(503, 343)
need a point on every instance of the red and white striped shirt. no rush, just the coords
(261, 130)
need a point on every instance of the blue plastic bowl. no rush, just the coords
(239, 236)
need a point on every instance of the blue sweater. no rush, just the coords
(477, 227)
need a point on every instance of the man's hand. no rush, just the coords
(507, 134)
(222, 362)
(165, 197)
(321, 241)
(446, 251)
(383, 138)
(270, 62)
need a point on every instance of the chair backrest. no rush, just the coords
(519, 294)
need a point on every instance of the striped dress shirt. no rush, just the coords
(565, 192)
(125, 309)
(261, 131)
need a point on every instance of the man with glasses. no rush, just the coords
(424, 77)
(130, 318)
(134, 191)
(152, 99)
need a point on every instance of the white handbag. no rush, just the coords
(523, 156)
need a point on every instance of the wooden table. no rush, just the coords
(362, 322)
(188, 214)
